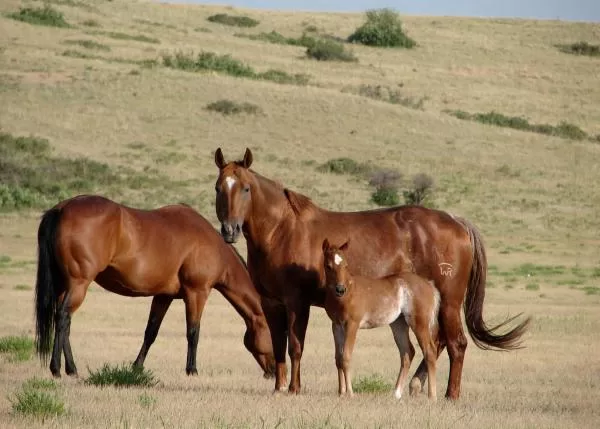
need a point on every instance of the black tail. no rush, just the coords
(49, 276)
(486, 337)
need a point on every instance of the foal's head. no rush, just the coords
(337, 276)
(233, 194)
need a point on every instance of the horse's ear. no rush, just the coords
(325, 245)
(220, 159)
(344, 246)
(247, 158)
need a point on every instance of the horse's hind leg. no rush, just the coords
(407, 352)
(59, 334)
(195, 300)
(420, 376)
(158, 309)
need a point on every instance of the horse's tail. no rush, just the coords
(486, 337)
(49, 276)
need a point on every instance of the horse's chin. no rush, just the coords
(230, 239)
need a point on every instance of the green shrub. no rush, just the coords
(124, 375)
(374, 383)
(420, 191)
(233, 20)
(37, 403)
(382, 28)
(329, 50)
(47, 16)
(88, 44)
(385, 197)
(19, 348)
(228, 107)
(581, 48)
(343, 166)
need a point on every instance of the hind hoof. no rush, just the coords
(191, 371)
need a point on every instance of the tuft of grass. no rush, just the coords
(391, 95)
(125, 36)
(203, 30)
(344, 166)
(228, 107)
(233, 20)
(22, 287)
(124, 375)
(329, 50)
(580, 48)
(19, 348)
(40, 384)
(383, 28)
(374, 383)
(33, 402)
(532, 286)
(88, 44)
(146, 401)
(47, 16)
(225, 64)
(564, 130)
(279, 39)
(90, 23)
(591, 290)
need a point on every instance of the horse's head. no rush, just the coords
(337, 276)
(257, 340)
(233, 194)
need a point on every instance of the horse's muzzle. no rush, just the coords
(230, 233)
(340, 290)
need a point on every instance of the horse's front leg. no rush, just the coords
(158, 309)
(350, 337)
(276, 316)
(194, 299)
(298, 313)
(338, 339)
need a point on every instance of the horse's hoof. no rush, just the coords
(415, 387)
(192, 371)
(72, 374)
(56, 374)
(294, 390)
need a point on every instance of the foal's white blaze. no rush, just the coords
(230, 182)
(337, 259)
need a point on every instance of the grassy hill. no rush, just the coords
(95, 100)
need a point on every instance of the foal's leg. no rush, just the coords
(406, 349)
(195, 299)
(339, 335)
(350, 338)
(297, 323)
(158, 309)
(420, 376)
(428, 347)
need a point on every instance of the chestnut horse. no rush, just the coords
(168, 253)
(400, 301)
(284, 231)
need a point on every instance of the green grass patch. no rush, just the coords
(225, 64)
(382, 28)
(37, 403)
(564, 130)
(591, 290)
(146, 401)
(90, 23)
(233, 20)
(385, 197)
(19, 348)
(88, 44)
(532, 286)
(581, 48)
(374, 383)
(125, 36)
(279, 39)
(537, 270)
(595, 273)
(22, 287)
(344, 166)
(47, 16)
(124, 375)
(329, 50)
(40, 384)
(228, 107)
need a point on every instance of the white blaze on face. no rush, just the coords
(337, 259)
(230, 182)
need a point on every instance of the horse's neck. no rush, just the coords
(239, 290)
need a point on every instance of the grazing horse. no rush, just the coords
(168, 253)
(284, 232)
(400, 301)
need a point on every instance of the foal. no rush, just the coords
(403, 300)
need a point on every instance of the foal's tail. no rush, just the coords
(486, 337)
(49, 275)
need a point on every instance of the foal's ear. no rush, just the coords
(344, 246)
(220, 159)
(325, 245)
(247, 158)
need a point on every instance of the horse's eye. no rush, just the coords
(247, 188)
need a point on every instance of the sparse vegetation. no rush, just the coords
(564, 130)
(280, 39)
(329, 50)
(383, 28)
(209, 61)
(374, 383)
(38, 398)
(124, 375)
(532, 286)
(88, 44)
(19, 348)
(22, 287)
(228, 107)
(420, 191)
(47, 16)
(344, 166)
(125, 36)
(391, 95)
(233, 20)
(581, 48)
(40, 384)
(147, 401)
(91, 23)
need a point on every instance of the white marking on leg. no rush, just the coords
(398, 393)
(337, 259)
(230, 182)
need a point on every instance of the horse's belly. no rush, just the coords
(136, 285)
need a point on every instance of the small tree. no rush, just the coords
(422, 186)
(385, 183)
(383, 28)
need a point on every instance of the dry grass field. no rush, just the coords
(535, 198)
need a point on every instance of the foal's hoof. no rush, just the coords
(279, 390)
(415, 387)
(191, 371)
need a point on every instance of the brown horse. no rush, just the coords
(168, 253)
(400, 301)
(284, 232)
